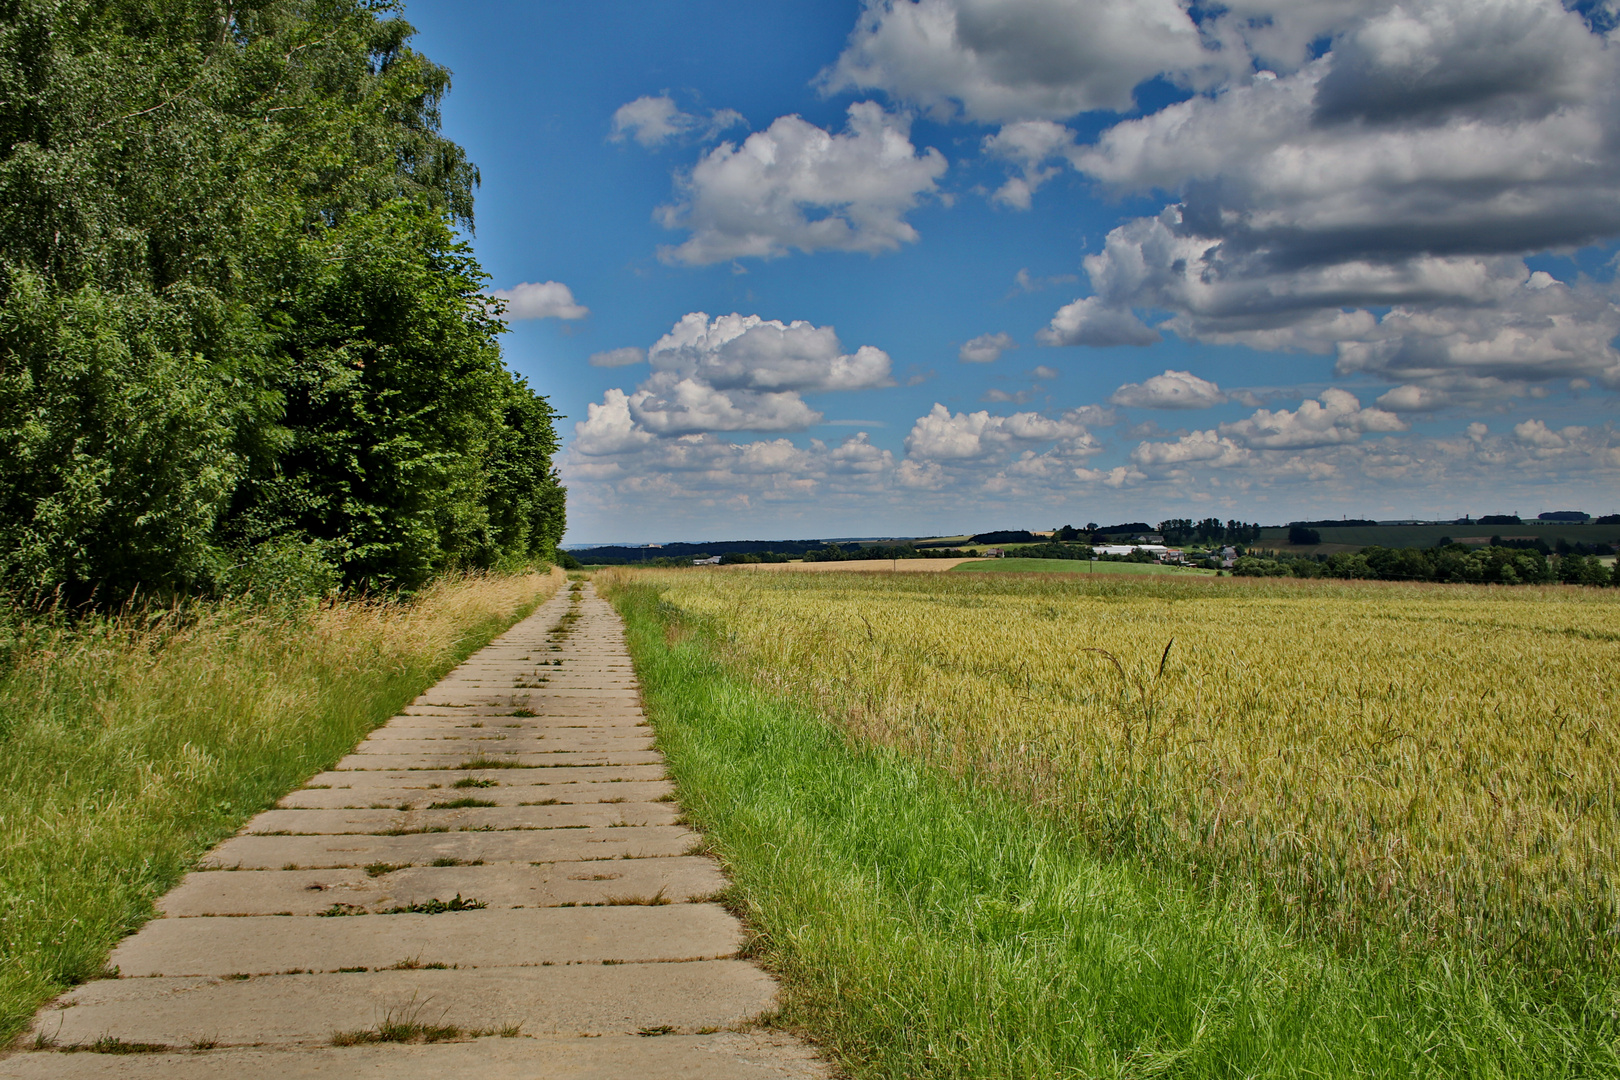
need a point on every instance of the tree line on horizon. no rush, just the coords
(242, 343)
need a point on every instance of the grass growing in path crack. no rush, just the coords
(131, 745)
(927, 927)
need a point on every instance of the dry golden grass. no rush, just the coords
(129, 745)
(1436, 764)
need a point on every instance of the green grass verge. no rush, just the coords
(927, 927)
(128, 747)
(1014, 565)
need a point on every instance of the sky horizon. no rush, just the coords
(924, 267)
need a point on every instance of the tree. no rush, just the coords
(233, 311)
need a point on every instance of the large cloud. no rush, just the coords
(667, 404)
(795, 186)
(748, 352)
(1409, 169)
(731, 373)
(943, 436)
(1015, 59)
(1208, 447)
(1337, 418)
(1321, 166)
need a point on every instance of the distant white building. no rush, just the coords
(1158, 551)
(713, 560)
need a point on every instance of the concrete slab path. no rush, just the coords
(496, 884)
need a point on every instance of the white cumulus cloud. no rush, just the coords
(1536, 433)
(654, 120)
(942, 435)
(726, 374)
(1172, 390)
(1337, 418)
(541, 300)
(748, 352)
(795, 186)
(1015, 59)
(667, 404)
(1029, 145)
(1207, 447)
(986, 348)
(1092, 321)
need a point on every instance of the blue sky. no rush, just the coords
(1018, 263)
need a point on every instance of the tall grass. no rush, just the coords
(130, 745)
(1430, 766)
(928, 926)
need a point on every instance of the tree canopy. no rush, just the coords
(240, 335)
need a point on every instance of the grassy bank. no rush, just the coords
(129, 746)
(931, 925)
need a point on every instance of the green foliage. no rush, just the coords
(1208, 531)
(1453, 563)
(234, 311)
(1055, 551)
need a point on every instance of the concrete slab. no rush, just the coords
(407, 726)
(491, 698)
(576, 739)
(679, 878)
(358, 778)
(308, 1009)
(559, 759)
(723, 1056)
(607, 714)
(465, 819)
(552, 845)
(255, 944)
(499, 794)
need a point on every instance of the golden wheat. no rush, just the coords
(1437, 763)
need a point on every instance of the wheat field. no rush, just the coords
(1428, 766)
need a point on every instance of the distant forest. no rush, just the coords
(241, 342)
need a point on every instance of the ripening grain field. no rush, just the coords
(1412, 767)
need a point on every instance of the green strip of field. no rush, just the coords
(1011, 565)
(929, 928)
